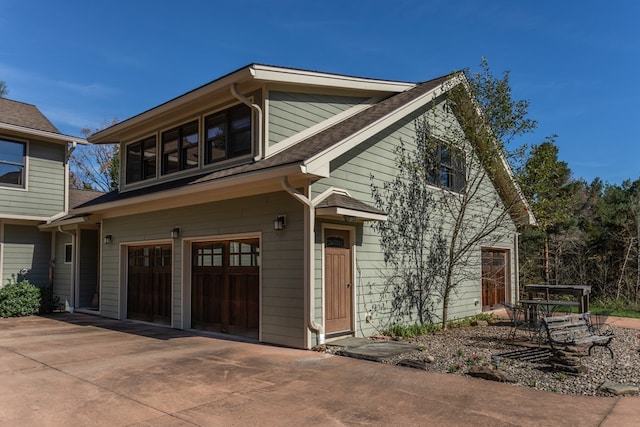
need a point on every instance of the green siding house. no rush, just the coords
(34, 193)
(245, 207)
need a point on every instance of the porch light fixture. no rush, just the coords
(107, 239)
(280, 222)
(175, 232)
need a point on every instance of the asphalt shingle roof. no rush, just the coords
(344, 201)
(297, 153)
(25, 115)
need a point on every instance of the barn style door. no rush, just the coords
(225, 287)
(149, 283)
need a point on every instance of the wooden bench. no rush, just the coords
(574, 329)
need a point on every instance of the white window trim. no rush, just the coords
(25, 187)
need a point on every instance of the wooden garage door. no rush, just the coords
(149, 283)
(225, 287)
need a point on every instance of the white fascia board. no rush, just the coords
(320, 162)
(43, 134)
(503, 161)
(70, 221)
(217, 184)
(314, 78)
(25, 217)
(104, 136)
(340, 212)
(319, 127)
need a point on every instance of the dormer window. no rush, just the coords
(141, 160)
(180, 148)
(228, 134)
(12, 163)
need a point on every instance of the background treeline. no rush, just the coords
(587, 233)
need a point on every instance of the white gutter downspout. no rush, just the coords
(72, 294)
(309, 230)
(257, 109)
(74, 144)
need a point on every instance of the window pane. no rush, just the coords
(133, 162)
(149, 162)
(12, 152)
(240, 144)
(170, 141)
(12, 163)
(170, 151)
(216, 137)
(11, 174)
(239, 131)
(190, 157)
(68, 253)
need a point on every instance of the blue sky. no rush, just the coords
(84, 63)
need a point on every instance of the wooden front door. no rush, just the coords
(338, 286)
(149, 283)
(495, 277)
(225, 287)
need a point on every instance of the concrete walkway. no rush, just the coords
(75, 369)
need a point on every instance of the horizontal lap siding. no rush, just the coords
(62, 272)
(26, 247)
(291, 113)
(282, 263)
(45, 183)
(353, 172)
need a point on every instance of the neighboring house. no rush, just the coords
(245, 206)
(34, 192)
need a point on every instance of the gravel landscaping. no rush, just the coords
(461, 350)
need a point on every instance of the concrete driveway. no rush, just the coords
(75, 369)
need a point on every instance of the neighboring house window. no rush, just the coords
(446, 168)
(228, 134)
(68, 253)
(12, 163)
(141, 160)
(180, 148)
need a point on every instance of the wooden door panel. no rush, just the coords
(495, 277)
(206, 299)
(338, 291)
(149, 283)
(234, 285)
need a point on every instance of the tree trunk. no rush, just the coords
(546, 260)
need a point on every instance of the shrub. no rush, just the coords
(19, 299)
(411, 331)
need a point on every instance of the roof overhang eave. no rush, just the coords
(246, 178)
(111, 134)
(42, 134)
(340, 212)
(320, 161)
(62, 222)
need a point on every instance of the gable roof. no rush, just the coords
(24, 115)
(311, 156)
(26, 121)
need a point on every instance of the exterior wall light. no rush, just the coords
(349, 218)
(279, 222)
(107, 239)
(175, 232)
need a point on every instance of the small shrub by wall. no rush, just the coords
(19, 299)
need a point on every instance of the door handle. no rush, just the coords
(348, 285)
